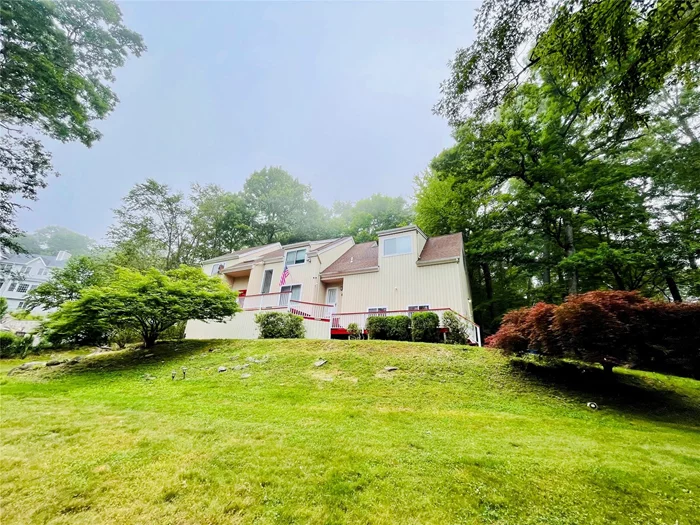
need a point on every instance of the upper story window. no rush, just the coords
(42, 271)
(295, 257)
(217, 269)
(12, 286)
(397, 245)
(22, 287)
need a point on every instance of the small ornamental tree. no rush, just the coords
(148, 302)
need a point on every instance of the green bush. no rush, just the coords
(377, 327)
(354, 331)
(8, 344)
(399, 328)
(456, 328)
(278, 325)
(424, 327)
(25, 315)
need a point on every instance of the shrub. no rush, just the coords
(8, 344)
(424, 327)
(456, 329)
(353, 331)
(279, 325)
(399, 328)
(609, 328)
(3, 307)
(377, 327)
(25, 315)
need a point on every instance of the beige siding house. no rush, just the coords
(335, 282)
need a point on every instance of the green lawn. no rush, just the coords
(453, 436)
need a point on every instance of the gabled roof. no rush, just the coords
(50, 261)
(361, 257)
(238, 254)
(443, 247)
(314, 247)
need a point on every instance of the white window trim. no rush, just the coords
(337, 293)
(386, 309)
(409, 252)
(306, 252)
(301, 291)
(417, 306)
(262, 284)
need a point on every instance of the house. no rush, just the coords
(335, 282)
(21, 273)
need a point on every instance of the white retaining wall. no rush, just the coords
(242, 326)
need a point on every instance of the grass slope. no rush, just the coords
(453, 436)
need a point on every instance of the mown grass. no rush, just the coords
(453, 436)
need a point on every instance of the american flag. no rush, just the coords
(283, 277)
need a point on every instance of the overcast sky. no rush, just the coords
(338, 94)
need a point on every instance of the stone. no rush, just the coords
(148, 377)
(55, 362)
(30, 365)
(148, 355)
(320, 362)
(76, 360)
(222, 369)
(390, 368)
(245, 376)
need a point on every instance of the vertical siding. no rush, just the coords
(329, 256)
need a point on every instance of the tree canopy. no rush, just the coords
(146, 302)
(52, 239)
(56, 66)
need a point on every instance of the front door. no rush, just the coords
(332, 297)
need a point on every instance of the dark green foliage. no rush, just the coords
(279, 325)
(398, 328)
(456, 328)
(425, 327)
(175, 333)
(8, 344)
(3, 307)
(377, 327)
(124, 336)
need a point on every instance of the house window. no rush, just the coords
(22, 288)
(12, 286)
(32, 287)
(20, 305)
(217, 269)
(295, 257)
(418, 307)
(267, 281)
(397, 245)
(295, 295)
(1, 283)
(377, 310)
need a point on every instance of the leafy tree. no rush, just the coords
(282, 207)
(156, 221)
(3, 307)
(68, 283)
(56, 66)
(366, 217)
(148, 302)
(52, 239)
(632, 49)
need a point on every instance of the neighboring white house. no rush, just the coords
(335, 282)
(21, 273)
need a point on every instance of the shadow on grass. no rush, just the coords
(638, 395)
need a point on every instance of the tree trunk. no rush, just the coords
(607, 368)
(673, 288)
(488, 284)
(149, 339)
(571, 250)
(547, 274)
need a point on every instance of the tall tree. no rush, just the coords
(158, 220)
(56, 64)
(631, 49)
(364, 218)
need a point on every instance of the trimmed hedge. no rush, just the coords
(425, 327)
(456, 328)
(609, 328)
(278, 325)
(389, 327)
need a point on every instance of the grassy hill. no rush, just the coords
(452, 436)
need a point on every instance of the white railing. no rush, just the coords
(311, 310)
(343, 320)
(265, 301)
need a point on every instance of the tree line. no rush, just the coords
(577, 163)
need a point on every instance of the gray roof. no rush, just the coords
(24, 258)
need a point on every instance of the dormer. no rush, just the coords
(403, 241)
